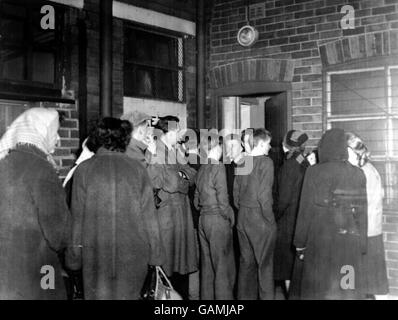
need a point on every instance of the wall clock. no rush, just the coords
(247, 36)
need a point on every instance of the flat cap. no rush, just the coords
(136, 117)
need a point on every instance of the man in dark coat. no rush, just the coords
(115, 232)
(331, 229)
(290, 179)
(256, 223)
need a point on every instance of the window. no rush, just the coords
(29, 55)
(153, 65)
(365, 101)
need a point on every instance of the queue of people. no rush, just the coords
(221, 219)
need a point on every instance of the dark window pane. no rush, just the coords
(139, 81)
(43, 67)
(12, 31)
(12, 9)
(358, 93)
(167, 84)
(372, 132)
(166, 51)
(12, 64)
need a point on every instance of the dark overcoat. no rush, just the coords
(290, 180)
(332, 225)
(174, 210)
(115, 230)
(34, 226)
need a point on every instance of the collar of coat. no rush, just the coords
(30, 148)
(103, 151)
(136, 144)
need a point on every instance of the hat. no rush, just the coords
(136, 117)
(294, 139)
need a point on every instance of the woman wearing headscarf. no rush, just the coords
(171, 180)
(290, 179)
(115, 229)
(331, 228)
(33, 211)
(375, 262)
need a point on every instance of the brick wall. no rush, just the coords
(308, 33)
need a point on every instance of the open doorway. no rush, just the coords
(268, 111)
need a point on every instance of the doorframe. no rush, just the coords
(250, 88)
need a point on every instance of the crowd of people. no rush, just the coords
(221, 217)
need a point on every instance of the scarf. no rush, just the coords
(36, 126)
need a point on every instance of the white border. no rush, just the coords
(129, 12)
(72, 3)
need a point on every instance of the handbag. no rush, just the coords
(158, 287)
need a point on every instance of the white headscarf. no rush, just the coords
(36, 126)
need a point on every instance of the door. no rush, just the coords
(276, 123)
(276, 118)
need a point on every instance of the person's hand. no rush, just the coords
(151, 144)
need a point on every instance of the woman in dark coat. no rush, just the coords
(290, 179)
(33, 212)
(331, 228)
(171, 181)
(115, 231)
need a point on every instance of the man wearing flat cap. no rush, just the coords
(138, 149)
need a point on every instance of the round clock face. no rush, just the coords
(247, 36)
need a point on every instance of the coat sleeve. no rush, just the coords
(265, 183)
(151, 222)
(73, 258)
(52, 211)
(306, 211)
(167, 179)
(363, 211)
(220, 185)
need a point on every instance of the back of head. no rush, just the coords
(333, 146)
(294, 140)
(112, 134)
(260, 134)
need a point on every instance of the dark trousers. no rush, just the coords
(217, 258)
(257, 242)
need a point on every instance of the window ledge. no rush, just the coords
(26, 92)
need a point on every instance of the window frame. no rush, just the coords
(28, 89)
(363, 65)
(181, 60)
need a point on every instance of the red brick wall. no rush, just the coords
(295, 30)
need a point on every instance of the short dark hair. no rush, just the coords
(112, 134)
(163, 123)
(261, 134)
